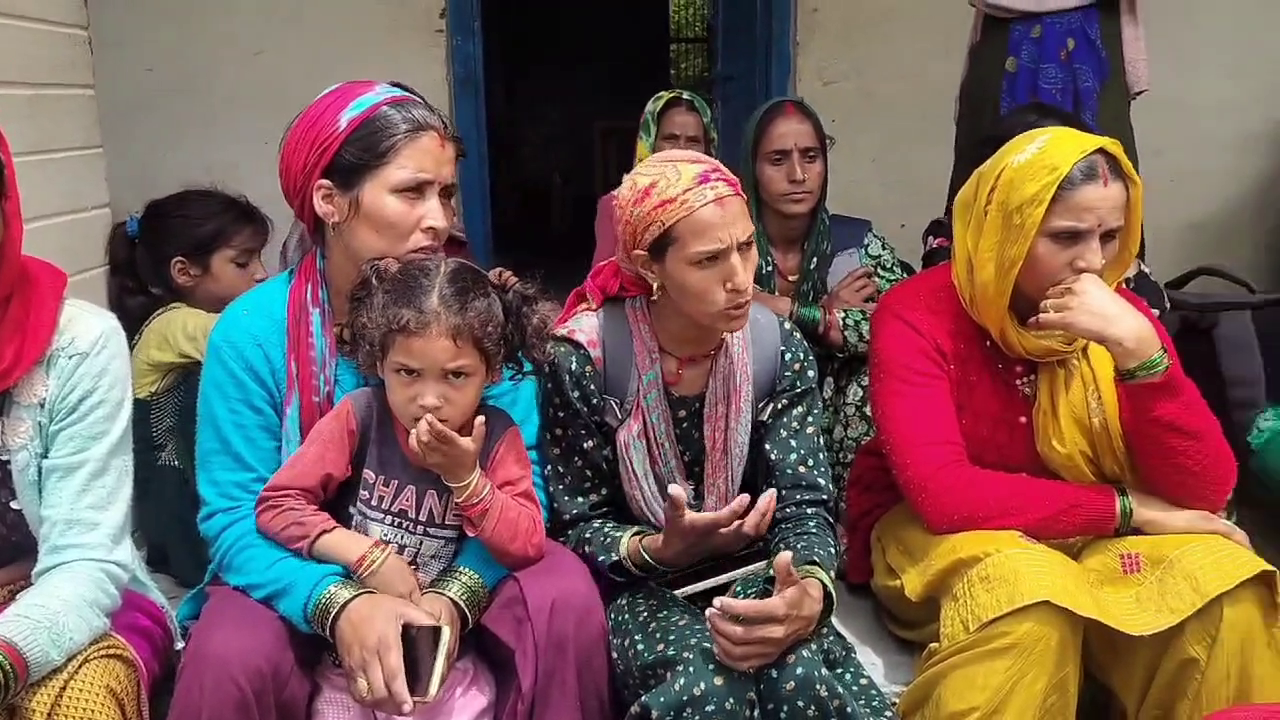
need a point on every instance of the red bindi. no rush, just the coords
(790, 108)
(1106, 174)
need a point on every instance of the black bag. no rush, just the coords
(1224, 339)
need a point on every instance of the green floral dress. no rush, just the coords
(846, 424)
(661, 646)
(842, 371)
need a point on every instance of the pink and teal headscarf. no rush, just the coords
(308, 147)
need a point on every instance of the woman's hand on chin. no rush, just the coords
(1085, 306)
(367, 637)
(750, 634)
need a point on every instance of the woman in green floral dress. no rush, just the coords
(821, 270)
(693, 464)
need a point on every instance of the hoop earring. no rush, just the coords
(657, 290)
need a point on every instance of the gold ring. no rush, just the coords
(362, 688)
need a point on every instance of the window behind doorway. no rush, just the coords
(690, 46)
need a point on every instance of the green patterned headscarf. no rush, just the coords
(648, 134)
(811, 287)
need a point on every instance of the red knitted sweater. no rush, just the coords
(955, 437)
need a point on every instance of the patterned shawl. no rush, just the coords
(997, 214)
(812, 286)
(659, 192)
(309, 145)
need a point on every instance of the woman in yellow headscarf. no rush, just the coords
(1062, 494)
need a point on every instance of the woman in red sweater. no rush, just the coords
(1044, 494)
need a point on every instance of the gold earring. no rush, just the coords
(657, 290)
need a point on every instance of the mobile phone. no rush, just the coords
(845, 262)
(426, 659)
(718, 573)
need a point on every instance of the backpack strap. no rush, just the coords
(1235, 341)
(766, 353)
(621, 382)
(618, 358)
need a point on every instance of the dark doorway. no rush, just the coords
(565, 82)
(547, 97)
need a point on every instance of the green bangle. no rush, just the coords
(1124, 523)
(10, 682)
(1155, 365)
(808, 318)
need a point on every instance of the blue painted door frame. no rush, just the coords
(755, 55)
(755, 51)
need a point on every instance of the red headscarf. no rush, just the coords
(31, 290)
(308, 147)
(661, 190)
(319, 130)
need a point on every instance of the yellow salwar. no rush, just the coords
(100, 683)
(1175, 626)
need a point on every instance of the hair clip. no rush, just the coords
(131, 226)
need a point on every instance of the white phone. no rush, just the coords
(721, 580)
(845, 262)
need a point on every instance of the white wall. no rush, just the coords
(884, 73)
(49, 113)
(195, 92)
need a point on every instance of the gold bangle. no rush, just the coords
(465, 588)
(488, 488)
(624, 551)
(375, 564)
(330, 604)
(644, 554)
(475, 475)
(375, 560)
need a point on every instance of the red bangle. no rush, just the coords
(13, 676)
(368, 558)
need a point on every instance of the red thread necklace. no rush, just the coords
(684, 361)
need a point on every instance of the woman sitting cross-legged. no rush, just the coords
(700, 465)
(1043, 498)
(84, 632)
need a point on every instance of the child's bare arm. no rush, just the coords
(373, 563)
(341, 546)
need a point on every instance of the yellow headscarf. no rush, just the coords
(996, 216)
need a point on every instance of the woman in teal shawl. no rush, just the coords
(823, 271)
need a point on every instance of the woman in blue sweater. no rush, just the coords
(370, 170)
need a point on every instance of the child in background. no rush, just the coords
(170, 271)
(389, 480)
